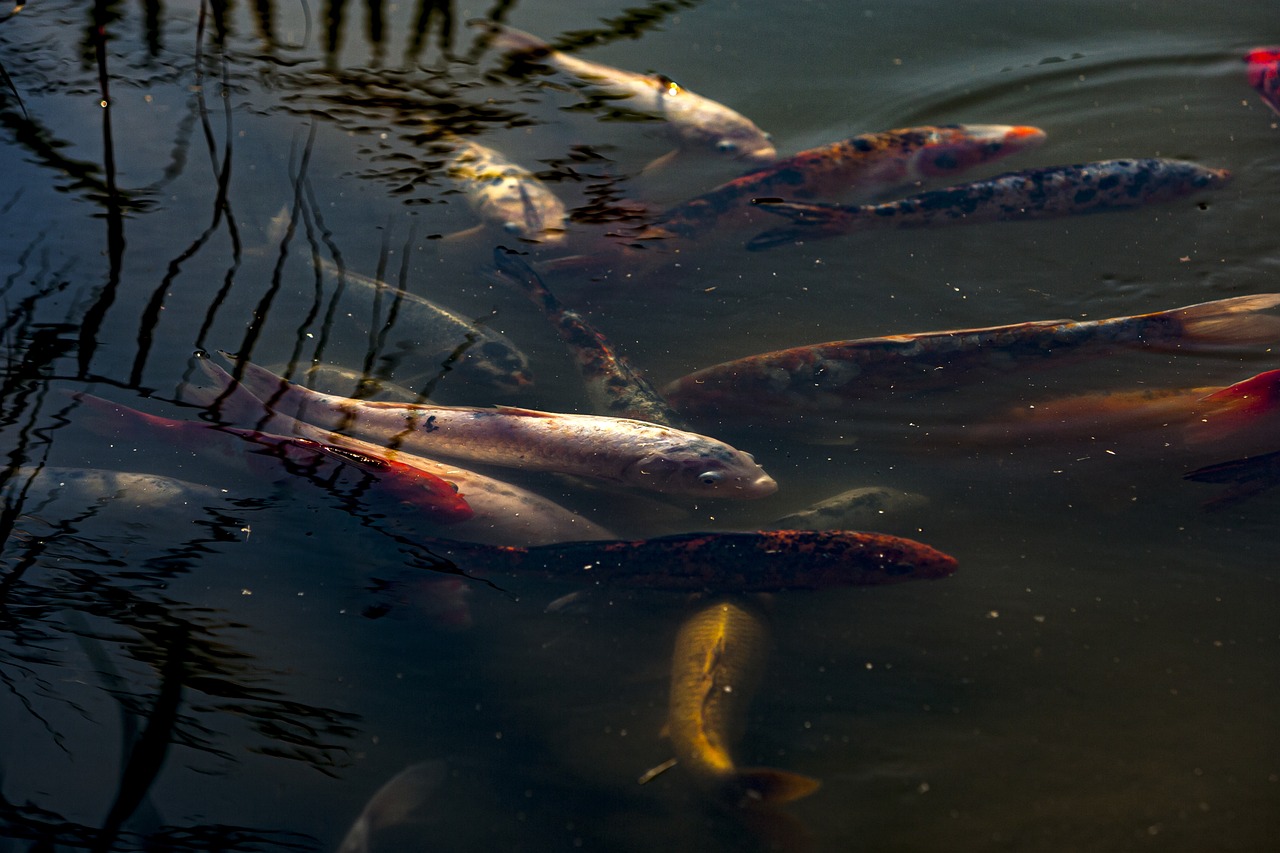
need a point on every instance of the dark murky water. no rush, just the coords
(206, 672)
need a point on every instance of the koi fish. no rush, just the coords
(399, 801)
(864, 507)
(1016, 196)
(505, 195)
(96, 485)
(503, 513)
(1264, 74)
(436, 335)
(759, 561)
(1246, 477)
(1200, 415)
(719, 656)
(695, 121)
(334, 379)
(867, 162)
(620, 450)
(379, 476)
(615, 388)
(826, 378)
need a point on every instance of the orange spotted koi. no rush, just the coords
(1264, 74)
(826, 378)
(1016, 196)
(863, 163)
(760, 561)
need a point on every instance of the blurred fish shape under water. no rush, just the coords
(613, 385)
(826, 378)
(696, 122)
(1263, 70)
(634, 453)
(87, 486)
(402, 799)
(1032, 194)
(866, 163)
(428, 338)
(756, 561)
(504, 195)
(503, 513)
(855, 509)
(720, 653)
(1245, 477)
(381, 482)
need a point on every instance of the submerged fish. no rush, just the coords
(381, 481)
(855, 509)
(1198, 415)
(88, 486)
(1246, 477)
(719, 656)
(1016, 196)
(695, 121)
(826, 378)
(866, 163)
(614, 387)
(759, 561)
(430, 336)
(1264, 74)
(503, 513)
(505, 195)
(336, 379)
(620, 450)
(400, 800)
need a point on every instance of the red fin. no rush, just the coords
(1235, 407)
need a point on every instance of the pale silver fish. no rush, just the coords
(423, 336)
(695, 121)
(88, 486)
(619, 450)
(400, 800)
(503, 513)
(506, 195)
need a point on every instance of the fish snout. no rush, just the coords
(761, 487)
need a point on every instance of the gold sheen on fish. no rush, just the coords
(506, 195)
(719, 656)
(620, 450)
(695, 121)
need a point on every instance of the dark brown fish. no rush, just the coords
(1016, 196)
(615, 388)
(760, 561)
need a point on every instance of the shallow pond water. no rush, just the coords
(242, 665)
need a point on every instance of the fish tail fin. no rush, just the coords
(768, 786)
(1229, 322)
(1235, 407)
(811, 221)
(1245, 478)
(506, 39)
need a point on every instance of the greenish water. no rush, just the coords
(1098, 675)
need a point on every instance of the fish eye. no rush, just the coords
(726, 147)
(710, 478)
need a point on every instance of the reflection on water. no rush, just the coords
(198, 655)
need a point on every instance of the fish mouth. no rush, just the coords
(760, 487)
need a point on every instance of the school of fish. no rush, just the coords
(401, 459)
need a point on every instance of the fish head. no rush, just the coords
(721, 472)
(962, 147)
(497, 364)
(750, 145)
